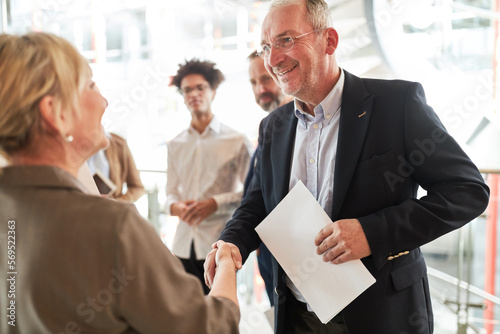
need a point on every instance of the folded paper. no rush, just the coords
(289, 232)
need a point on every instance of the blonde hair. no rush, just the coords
(33, 66)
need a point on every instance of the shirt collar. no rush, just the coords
(327, 108)
(214, 125)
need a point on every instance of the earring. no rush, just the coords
(68, 139)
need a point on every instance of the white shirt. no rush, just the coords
(315, 150)
(213, 164)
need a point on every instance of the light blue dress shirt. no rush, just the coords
(315, 150)
(99, 162)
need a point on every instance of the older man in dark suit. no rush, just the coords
(362, 147)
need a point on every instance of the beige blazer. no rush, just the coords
(122, 170)
(83, 263)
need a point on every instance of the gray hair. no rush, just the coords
(318, 13)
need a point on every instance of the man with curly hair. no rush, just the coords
(207, 166)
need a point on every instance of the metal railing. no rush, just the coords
(464, 300)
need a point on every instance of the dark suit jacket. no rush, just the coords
(390, 142)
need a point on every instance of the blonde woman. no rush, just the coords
(72, 262)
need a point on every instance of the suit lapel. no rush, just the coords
(354, 119)
(283, 139)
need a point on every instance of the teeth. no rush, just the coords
(285, 72)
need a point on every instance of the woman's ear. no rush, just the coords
(332, 40)
(53, 120)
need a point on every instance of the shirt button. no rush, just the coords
(311, 160)
(328, 116)
(315, 126)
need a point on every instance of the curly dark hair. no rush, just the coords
(195, 66)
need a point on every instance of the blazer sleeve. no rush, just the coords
(135, 188)
(156, 294)
(240, 230)
(123, 170)
(431, 158)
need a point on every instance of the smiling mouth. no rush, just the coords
(286, 71)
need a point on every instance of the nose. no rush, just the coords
(275, 57)
(106, 103)
(261, 87)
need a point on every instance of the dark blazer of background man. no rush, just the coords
(390, 142)
(268, 96)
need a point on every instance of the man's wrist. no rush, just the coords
(214, 203)
(227, 264)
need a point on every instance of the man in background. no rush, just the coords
(207, 165)
(268, 96)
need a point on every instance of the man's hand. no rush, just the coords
(179, 208)
(196, 212)
(222, 251)
(193, 212)
(342, 241)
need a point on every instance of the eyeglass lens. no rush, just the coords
(199, 88)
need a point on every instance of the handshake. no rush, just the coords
(221, 265)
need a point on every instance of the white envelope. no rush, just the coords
(289, 232)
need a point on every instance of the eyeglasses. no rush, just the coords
(197, 88)
(283, 43)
